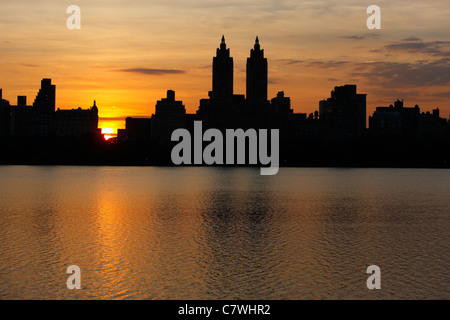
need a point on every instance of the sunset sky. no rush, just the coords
(127, 54)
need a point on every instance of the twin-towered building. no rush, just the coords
(222, 95)
(224, 109)
(222, 98)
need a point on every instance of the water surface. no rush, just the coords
(223, 233)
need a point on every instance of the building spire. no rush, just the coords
(223, 45)
(257, 46)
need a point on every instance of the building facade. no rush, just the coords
(77, 122)
(344, 113)
(257, 73)
(41, 119)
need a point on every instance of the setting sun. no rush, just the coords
(109, 133)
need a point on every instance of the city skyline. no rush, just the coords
(406, 59)
(342, 114)
(195, 153)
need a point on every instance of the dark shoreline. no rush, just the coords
(364, 152)
(138, 165)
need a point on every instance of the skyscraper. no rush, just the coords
(170, 114)
(256, 78)
(5, 110)
(45, 99)
(344, 112)
(222, 90)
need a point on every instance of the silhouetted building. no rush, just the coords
(448, 129)
(431, 125)
(37, 120)
(5, 116)
(24, 121)
(77, 122)
(169, 115)
(136, 129)
(222, 86)
(281, 104)
(385, 122)
(223, 109)
(305, 127)
(344, 113)
(395, 120)
(45, 99)
(257, 71)
(21, 101)
(222, 103)
(41, 119)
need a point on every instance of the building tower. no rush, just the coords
(222, 88)
(256, 78)
(45, 99)
(345, 111)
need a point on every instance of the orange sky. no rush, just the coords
(128, 53)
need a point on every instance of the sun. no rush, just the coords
(108, 133)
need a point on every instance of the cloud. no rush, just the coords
(385, 74)
(206, 66)
(434, 48)
(410, 39)
(153, 71)
(313, 63)
(28, 65)
(289, 61)
(325, 64)
(362, 37)
(353, 37)
(441, 94)
(418, 74)
(386, 96)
